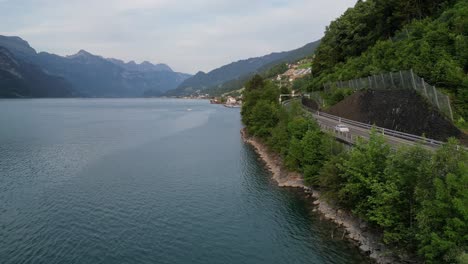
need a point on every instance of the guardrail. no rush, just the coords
(388, 132)
(383, 131)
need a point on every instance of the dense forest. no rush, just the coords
(417, 198)
(428, 36)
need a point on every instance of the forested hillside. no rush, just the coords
(416, 197)
(376, 36)
(232, 76)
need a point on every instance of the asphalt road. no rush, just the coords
(355, 132)
(329, 124)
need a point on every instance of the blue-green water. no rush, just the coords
(146, 181)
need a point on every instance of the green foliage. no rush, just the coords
(443, 218)
(314, 155)
(378, 36)
(331, 179)
(233, 76)
(463, 258)
(263, 119)
(294, 157)
(395, 204)
(298, 127)
(336, 96)
(363, 170)
(418, 198)
(279, 140)
(301, 84)
(256, 82)
(260, 109)
(275, 70)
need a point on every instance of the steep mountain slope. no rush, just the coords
(378, 36)
(18, 47)
(240, 70)
(22, 79)
(95, 76)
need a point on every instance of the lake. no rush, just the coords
(146, 181)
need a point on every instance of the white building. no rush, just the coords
(231, 100)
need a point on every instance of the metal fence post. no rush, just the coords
(375, 80)
(391, 79)
(449, 107)
(435, 96)
(402, 80)
(414, 82)
(424, 86)
(383, 81)
(370, 82)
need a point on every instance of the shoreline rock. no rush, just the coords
(367, 240)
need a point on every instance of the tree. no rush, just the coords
(443, 218)
(394, 206)
(317, 148)
(363, 171)
(294, 158)
(256, 82)
(264, 117)
(331, 179)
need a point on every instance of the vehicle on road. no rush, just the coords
(341, 128)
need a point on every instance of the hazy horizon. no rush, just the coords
(189, 36)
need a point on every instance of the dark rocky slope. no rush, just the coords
(400, 110)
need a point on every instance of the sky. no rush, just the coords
(188, 35)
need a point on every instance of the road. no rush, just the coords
(394, 138)
(328, 124)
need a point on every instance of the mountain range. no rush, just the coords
(27, 73)
(81, 74)
(238, 72)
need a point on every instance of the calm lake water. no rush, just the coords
(146, 181)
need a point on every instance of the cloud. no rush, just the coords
(189, 35)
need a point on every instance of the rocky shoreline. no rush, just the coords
(356, 230)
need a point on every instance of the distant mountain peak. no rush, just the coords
(145, 66)
(17, 45)
(83, 52)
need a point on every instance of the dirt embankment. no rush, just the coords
(368, 240)
(401, 110)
